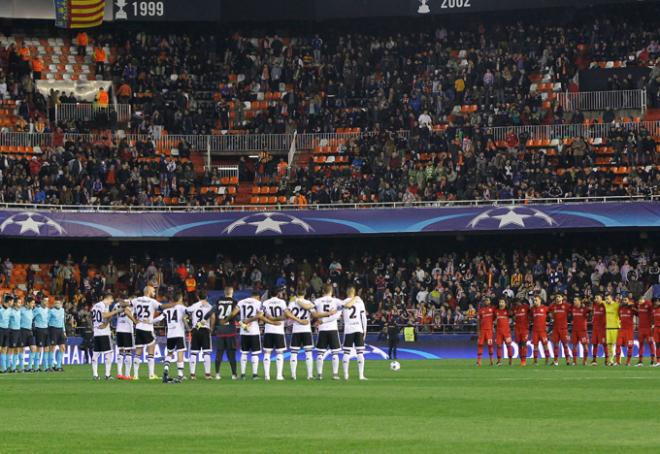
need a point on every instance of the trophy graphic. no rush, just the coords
(423, 7)
(121, 14)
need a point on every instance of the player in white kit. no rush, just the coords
(101, 315)
(200, 314)
(176, 336)
(144, 310)
(125, 340)
(250, 314)
(274, 308)
(327, 310)
(355, 328)
(300, 311)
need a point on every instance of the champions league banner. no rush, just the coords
(311, 223)
(427, 346)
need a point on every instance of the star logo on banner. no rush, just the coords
(29, 222)
(512, 216)
(268, 223)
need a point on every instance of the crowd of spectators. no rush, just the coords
(434, 292)
(361, 74)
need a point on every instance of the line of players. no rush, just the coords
(135, 333)
(612, 324)
(27, 323)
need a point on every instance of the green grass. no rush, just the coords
(428, 406)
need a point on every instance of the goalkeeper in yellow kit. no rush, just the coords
(612, 324)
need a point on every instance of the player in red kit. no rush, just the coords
(485, 316)
(656, 327)
(580, 315)
(598, 330)
(645, 315)
(626, 334)
(559, 311)
(503, 327)
(521, 327)
(540, 329)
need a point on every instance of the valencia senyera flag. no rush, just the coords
(79, 13)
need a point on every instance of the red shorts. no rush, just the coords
(559, 335)
(522, 337)
(485, 337)
(644, 334)
(579, 335)
(502, 337)
(539, 336)
(625, 337)
(656, 335)
(598, 336)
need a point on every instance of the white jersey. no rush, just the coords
(124, 324)
(174, 319)
(326, 304)
(97, 319)
(304, 314)
(198, 313)
(355, 317)
(274, 308)
(144, 308)
(249, 307)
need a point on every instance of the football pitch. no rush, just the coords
(427, 406)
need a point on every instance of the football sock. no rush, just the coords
(192, 363)
(136, 366)
(509, 349)
(345, 360)
(60, 355)
(179, 368)
(207, 363)
(231, 355)
(218, 360)
(128, 361)
(490, 351)
(319, 364)
(166, 366)
(19, 359)
(243, 363)
(293, 362)
(3, 362)
(151, 364)
(267, 364)
(108, 364)
(360, 361)
(309, 361)
(12, 365)
(255, 364)
(480, 351)
(335, 363)
(499, 352)
(120, 363)
(95, 364)
(279, 364)
(45, 360)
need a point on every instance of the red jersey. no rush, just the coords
(598, 311)
(486, 317)
(502, 317)
(626, 314)
(645, 313)
(580, 315)
(521, 317)
(559, 313)
(540, 317)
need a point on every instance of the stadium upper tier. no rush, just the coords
(505, 72)
(455, 164)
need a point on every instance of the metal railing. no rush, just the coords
(280, 143)
(537, 132)
(89, 111)
(336, 206)
(602, 100)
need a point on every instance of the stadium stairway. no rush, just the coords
(244, 193)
